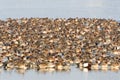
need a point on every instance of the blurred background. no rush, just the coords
(60, 8)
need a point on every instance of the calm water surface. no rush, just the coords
(60, 9)
(75, 73)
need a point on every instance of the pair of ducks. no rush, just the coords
(17, 65)
(103, 66)
(57, 66)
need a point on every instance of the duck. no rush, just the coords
(85, 64)
(62, 66)
(42, 65)
(32, 65)
(79, 65)
(76, 61)
(21, 65)
(50, 65)
(8, 64)
(95, 66)
(59, 66)
(115, 66)
(50, 69)
(104, 66)
(66, 66)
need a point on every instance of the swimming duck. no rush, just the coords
(95, 66)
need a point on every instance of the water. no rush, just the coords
(75, 73)
(60, 9)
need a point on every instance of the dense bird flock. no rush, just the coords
(58, 44)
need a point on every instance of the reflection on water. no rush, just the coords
(75, 73)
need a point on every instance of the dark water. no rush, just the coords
(60, 9)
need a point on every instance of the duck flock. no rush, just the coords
(57, 44)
